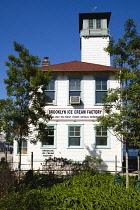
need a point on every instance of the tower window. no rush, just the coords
(90, 22)
(98, 24)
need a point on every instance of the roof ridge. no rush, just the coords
(78, 66)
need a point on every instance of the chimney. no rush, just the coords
(46, 62)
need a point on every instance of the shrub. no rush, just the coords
(87, 190)
(8, 178)
(13, 201)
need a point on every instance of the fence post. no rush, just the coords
(115, 164)
(6, 156)
(32, 161)
(139, 164)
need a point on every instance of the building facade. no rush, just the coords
(73, 99)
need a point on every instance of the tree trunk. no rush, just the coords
(127, 172)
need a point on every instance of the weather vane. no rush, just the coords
(93, 9)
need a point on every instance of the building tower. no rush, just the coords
(94, 35)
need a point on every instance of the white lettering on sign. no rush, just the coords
(75, 114)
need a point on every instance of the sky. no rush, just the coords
(50, 28)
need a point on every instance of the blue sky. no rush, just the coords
(50, 27)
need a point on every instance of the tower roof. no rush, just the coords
(78, 66)
(101, 15)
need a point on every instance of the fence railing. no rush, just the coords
(62, 166)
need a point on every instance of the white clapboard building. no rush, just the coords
(73, 99)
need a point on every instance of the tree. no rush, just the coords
(122, 104)
(22, 113)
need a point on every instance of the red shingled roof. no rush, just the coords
(78, 66)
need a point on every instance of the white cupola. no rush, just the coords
(94, 35)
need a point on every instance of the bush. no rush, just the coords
(13, 201)
(36, 199)
(37, 180)
(88, 190)
(8, 178)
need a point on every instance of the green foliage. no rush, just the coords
(92, 162)
(8, 178)
(25, 88)
(126, 52)
(68, 167)
(36, 199)
(88, 190)
(62, 165)
(92, 159)
(122, 104)
(37, 180)
(12, 202)
(26, 99)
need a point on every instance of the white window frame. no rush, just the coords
(95, 24)
(102, 90)
(81, 136)
(22, 147)
(108, 140)
(90, 23)
(80, 90)
(53, 102)
(98, 23)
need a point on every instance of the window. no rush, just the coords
(49, 137)
(75, 136)
(100, 89)
(94, 23)
(50, 92)
(98, 24)
(101, 137)
(23, 147)
(75, 87)
(90, 22)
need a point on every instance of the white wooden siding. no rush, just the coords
(62, 150)
(92, 50)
